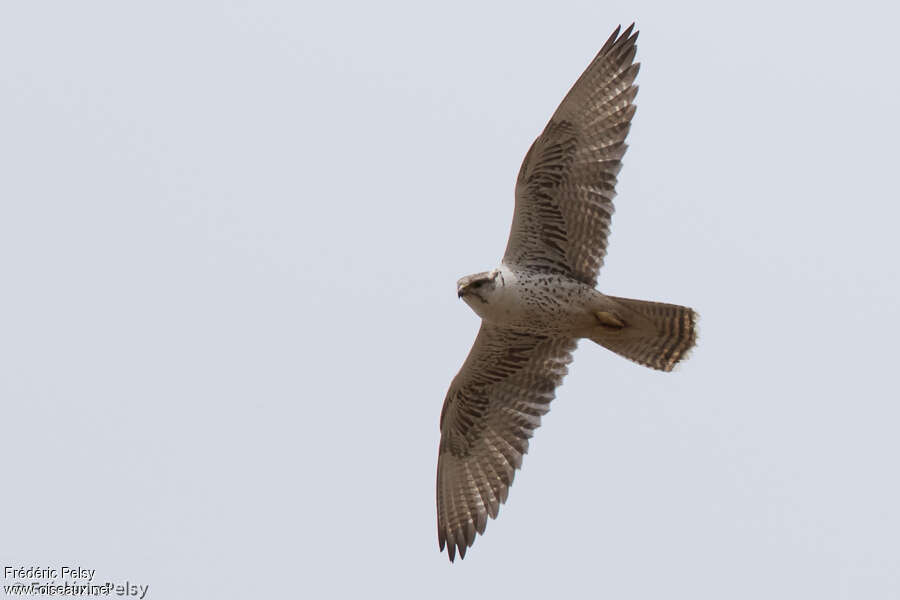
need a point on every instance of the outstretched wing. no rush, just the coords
(567, 182)
(491, 410)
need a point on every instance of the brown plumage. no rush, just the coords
(541, 300)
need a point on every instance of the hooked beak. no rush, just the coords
(460, 292)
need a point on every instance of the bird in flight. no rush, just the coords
(541, 300)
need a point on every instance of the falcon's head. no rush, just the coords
(478, 288)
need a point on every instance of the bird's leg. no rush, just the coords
(608, 319)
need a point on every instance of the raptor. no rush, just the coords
(542, 299)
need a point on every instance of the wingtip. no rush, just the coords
(620, 39)
(629, 37)
(454, 546)
(611, 40)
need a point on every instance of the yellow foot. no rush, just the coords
(609, 320)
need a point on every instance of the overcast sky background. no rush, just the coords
(229, 239)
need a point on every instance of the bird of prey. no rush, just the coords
(541, 299)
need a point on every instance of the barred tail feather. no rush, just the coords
(653, 334)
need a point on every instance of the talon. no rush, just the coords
(609, 320)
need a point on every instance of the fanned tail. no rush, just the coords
(653, 334)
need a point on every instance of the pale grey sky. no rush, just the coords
(229, 239)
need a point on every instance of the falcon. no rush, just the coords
(542, 299)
